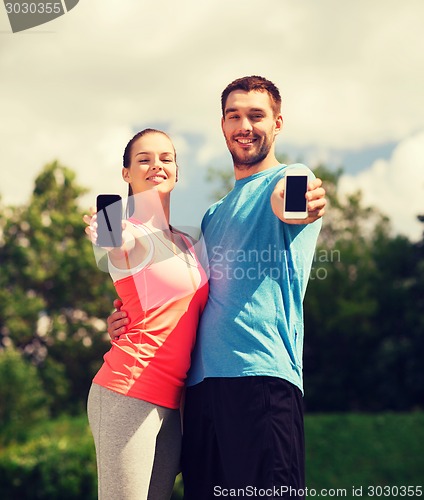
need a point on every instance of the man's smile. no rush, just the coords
(245, 141)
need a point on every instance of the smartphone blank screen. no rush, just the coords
(296, 186)
(109, 220)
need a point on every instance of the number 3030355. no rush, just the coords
(394, 491)
(34, 8)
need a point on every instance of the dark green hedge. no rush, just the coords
(48, 468)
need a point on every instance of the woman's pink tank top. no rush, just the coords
(164, 301)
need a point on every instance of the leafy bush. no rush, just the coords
(59, 463)
(22, 397)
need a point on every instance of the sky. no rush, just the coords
(351, 75)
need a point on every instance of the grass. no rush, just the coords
(343, 451)
(365, 450)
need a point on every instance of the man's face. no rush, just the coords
(249, 127)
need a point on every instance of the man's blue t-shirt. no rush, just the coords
(259, 268)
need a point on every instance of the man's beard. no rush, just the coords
(249, 160)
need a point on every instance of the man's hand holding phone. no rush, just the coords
(296, 200)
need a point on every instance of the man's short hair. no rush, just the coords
(253, 83)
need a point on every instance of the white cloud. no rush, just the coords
(395, 186)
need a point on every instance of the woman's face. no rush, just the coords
(152, 164)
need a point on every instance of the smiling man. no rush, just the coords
(243, 418)
(250, 127)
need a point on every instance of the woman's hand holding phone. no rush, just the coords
(91, 231)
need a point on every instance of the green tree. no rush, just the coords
(339, 307)
(52, 296)
(359, 350)
(22, 396)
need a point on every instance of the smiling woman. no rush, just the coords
(150, 157)
(134, 400)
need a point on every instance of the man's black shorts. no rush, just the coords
(240, 434)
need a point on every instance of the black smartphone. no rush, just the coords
(109, 220)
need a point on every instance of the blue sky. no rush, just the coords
(351, 75)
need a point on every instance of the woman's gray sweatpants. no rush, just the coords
(137, 446)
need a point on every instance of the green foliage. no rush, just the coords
(364, 335)
(22, 397)
(58, 462)
(56, 384)
(53, 299)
